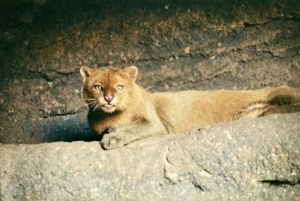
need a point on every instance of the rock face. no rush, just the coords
(244, 160)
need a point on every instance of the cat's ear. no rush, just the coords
(132, 72)
(85, 72)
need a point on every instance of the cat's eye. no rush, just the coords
(98, 87)
(119, 88)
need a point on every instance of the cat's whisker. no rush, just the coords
(89, 98)
(92, 102)
(97, 105)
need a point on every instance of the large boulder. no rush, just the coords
(242, 160)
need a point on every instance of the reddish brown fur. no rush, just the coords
(138, 114)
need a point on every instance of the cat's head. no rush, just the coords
(108, 89)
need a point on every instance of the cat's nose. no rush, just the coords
(109, 98)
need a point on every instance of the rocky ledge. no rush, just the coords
(242, 160)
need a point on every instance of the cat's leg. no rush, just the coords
(254, 110)
(280, 100)
(123, 135)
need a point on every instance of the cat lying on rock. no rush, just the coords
(127, 112)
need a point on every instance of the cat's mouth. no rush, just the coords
(108, 106)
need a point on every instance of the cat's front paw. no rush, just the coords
(112, 141)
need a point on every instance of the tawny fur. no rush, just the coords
(133, 113)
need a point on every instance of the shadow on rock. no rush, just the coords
(68, 128)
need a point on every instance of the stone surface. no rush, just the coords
(243, 160)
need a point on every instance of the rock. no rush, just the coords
(242, 160)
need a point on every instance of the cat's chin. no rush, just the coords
(108, 108)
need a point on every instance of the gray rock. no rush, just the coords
(242, 160)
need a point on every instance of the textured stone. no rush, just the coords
(243, 160)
